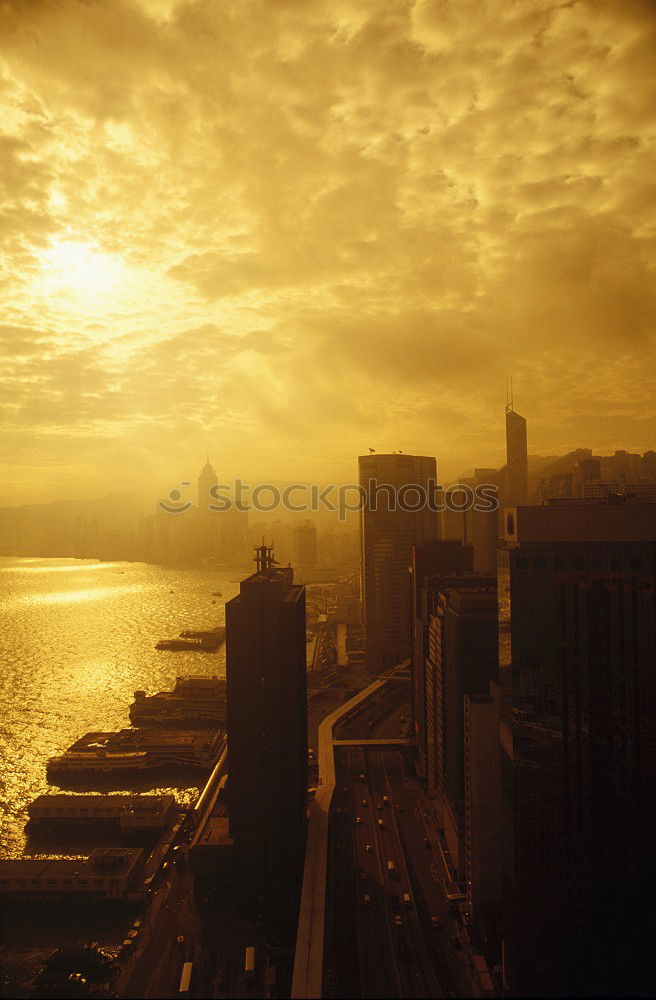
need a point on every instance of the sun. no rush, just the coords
(80, 268)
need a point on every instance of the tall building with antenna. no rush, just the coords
(516, 491)
(267, 742)
(206, 480)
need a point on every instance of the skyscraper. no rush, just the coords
(516, 491)
(305, 545)
(206, 480)
(387, 536)
(476, 527)
(483, 818)
(267, 742)
(577, 649)
(435, 565)
(463, 660)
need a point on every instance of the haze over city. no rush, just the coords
(288, 232)
(327, 498)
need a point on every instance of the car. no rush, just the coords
(136, 924)
(390, 867)
(397, 920)
(407, 899)
(386, 800)
(435, 921)
(365, 803)
(358, 820)
(379, 805)
(381, 824)
(368, 848)
(366, 899)
(363, 777)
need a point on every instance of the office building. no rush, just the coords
(387, 536)
(483, 818)
(435, 565)
(267, 742)
(516, 489)
(577, 650)
(463, 660)
(469, 522)
(305, 545)
(206, 480)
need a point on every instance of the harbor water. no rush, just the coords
(77, 639)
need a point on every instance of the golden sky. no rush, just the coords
(295, 229)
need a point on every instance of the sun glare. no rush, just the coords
(80, 268)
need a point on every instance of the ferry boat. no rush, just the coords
(202, 640)
(194, 699)
(99, 762)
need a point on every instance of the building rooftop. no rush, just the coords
(610, 519)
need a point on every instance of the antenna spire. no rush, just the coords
(264, 559)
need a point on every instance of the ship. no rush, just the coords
(204, 641)
(194, 700)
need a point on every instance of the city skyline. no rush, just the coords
(327, 498)
(218, 218)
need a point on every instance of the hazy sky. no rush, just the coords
(294, 230)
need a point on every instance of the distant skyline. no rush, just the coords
(290, 232)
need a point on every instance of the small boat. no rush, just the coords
(178, 644)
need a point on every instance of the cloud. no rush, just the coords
(334, 220)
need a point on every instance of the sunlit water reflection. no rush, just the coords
(76, 640)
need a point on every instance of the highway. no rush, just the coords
(392, 952)
(379, 943)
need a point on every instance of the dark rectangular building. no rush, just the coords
(577, 649)
(393, 519)
(435, 564)
(267, 742)
(464, 660)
